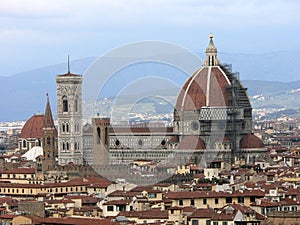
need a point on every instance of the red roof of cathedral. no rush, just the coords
(191, 142)
(33, 128)
(251, 141)
(193, 94)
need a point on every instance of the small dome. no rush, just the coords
(192, 142)
(33, 128)
(251, 141)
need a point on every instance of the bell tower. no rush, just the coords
(69, 113)
(101, 141)
(49, 140)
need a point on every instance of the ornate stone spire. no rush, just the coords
(48, 119)
(211, 53)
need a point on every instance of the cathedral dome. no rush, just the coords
(251, 141)
(192, 142)
(213, 85)
(33, 128)
(205, 88)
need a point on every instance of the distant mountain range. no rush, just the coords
(273, 80)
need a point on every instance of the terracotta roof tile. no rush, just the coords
(19, 171)
(147, 214)
(118, 202)
(77, 221)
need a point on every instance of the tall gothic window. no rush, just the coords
(24, 143)
(76, 104)
(65, 103)
(106, 135)
(65, 127)
(98, 135)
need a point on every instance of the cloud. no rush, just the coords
(31, 8)
(80, 25)
(120, 13)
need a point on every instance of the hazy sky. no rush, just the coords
(36, 33)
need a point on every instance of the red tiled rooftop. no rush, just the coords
(213, 194)
(8, 216)
(77, 221)
(203, 213)
(84, 198)
(59, 201)
(19, 171)
(191, 142)
(119, 193)
(88, 182)
(147, 214)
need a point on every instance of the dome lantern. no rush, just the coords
(211, 53)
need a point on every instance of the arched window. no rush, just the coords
(65, 103)
(98, 135)
(67, 127)
(67, 146)
(64, 146)
(63, 127)
(24, 143)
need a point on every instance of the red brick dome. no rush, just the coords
(251, 141)
(206, 87)
(33, 128)
(192, 142)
